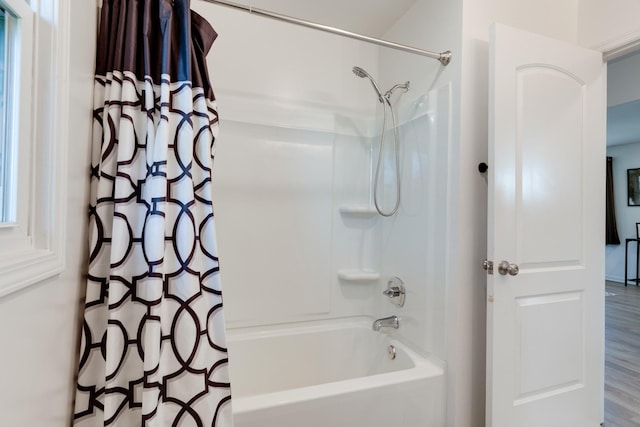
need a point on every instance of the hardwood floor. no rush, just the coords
(622, 356)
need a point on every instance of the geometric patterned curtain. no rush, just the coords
(153, 349)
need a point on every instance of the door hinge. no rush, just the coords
(488, 266)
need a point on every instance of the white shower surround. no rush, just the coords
(335, 373)
(284, 273)
(299, 138)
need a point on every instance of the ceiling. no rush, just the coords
(368, 17)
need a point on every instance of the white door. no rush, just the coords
(545, 336)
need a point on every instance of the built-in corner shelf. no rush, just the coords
(365, 211)
(358, 275)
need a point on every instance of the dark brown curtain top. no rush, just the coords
(155, 37)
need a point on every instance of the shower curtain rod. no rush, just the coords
(443, 57)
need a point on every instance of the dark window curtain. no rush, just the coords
(612, 228)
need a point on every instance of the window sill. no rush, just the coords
(28, 268)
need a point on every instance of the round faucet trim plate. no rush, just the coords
(395, 291)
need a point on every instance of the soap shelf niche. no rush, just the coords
(358, 275)
(365, 211)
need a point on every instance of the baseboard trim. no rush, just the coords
(616, 279)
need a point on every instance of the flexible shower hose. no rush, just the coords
(396, 152)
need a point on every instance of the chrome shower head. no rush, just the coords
(362, 74)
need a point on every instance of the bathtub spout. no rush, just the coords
(386, 322)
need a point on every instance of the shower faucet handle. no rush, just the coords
(395, 291)
(392, 292)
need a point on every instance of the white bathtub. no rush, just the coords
(335, 374)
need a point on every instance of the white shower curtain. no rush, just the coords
(153, 349)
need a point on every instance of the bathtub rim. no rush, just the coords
(425, 366)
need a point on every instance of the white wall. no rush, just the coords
(282, 65)
(625, 157)
(40, 324)
(547, 17)
(623, 80)
(608, 24)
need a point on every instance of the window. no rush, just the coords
(7, 178)
(16, 142)
(10, 38)
(33, 117)
(5, 153)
